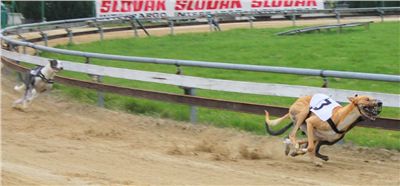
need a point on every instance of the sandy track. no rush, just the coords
(60, 142)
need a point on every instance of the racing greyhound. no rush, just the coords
(38, 80)
(323, 121)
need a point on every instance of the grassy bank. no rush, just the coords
(374, 51)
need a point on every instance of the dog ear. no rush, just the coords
(352, 99)
(53, 62)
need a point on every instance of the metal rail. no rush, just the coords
(180, 80)
(227, 66)
(251, 108)
(319, 28)
(218, 65)
(379, 10)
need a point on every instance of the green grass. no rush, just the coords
(373, 51)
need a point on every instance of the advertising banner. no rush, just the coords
(174, 8)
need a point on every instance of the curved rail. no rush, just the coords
(226, 66)
(319, 28)
(177, 62)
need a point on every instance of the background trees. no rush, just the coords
(52, 10)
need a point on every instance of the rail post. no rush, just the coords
(24, 40)
(193, 109)
(24, 48)
(4, 70)
(19, 74)
(100, 94)
(37, 52)
(133, 25)
(19, 36)
(293, 20)
(251, 22)
(338, 21)
(13, 47)
(209, 22)
(44, 38)
(70, 35)
(100, 32)
(97, 79)
(381, 14)
(191, 92)
(337, 16)
(324, 79)
(9, 45)
(171, 26)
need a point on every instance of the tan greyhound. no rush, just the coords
(320, 131)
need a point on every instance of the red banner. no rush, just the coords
(171, 8)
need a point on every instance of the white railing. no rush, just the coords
(390, 100)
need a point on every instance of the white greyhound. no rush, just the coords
(38, 80)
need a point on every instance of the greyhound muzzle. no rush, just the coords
(371, 110)
(56, 69)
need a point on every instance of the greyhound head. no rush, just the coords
(56, 65)
(367, 106)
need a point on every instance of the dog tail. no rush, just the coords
(274, 122)
(19, 88)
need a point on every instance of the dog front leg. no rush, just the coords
(318, 146)
(21, 101)
(17, 102)
(303, 144)
(34, 94)
(27, 96)
(311, 145)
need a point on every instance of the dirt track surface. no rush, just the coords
(57, 141)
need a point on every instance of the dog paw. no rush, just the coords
(16, 106)
(325, 158)
(318, 164)
(287, 149)
(19, 108)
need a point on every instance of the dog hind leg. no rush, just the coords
(19, 88)
(300, 117)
